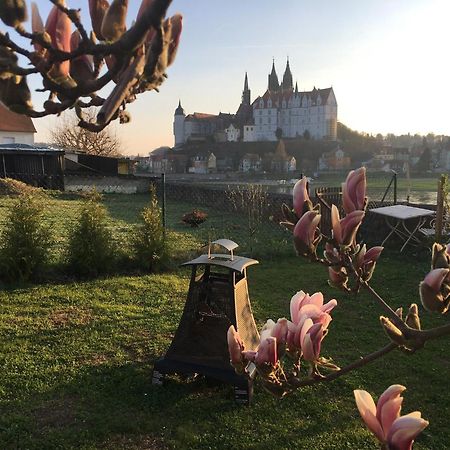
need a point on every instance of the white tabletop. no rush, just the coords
(402, 212)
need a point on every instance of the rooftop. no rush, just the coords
(10, 121)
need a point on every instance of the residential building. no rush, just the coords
(335, 160)
(15, 128)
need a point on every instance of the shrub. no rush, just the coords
(91, 249)
(149, 243)
(194, 218)
(25, 240)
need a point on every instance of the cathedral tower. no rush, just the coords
(287, 84)
(246, 93)
(274, 86)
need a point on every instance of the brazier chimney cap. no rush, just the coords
(238, 263)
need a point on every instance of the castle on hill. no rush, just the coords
(281, 109)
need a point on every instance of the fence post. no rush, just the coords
(440, 209)
(395, 188)
(163, 201)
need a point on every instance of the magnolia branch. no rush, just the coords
(137, 59)
(296, 382)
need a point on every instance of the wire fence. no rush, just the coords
(250, 213)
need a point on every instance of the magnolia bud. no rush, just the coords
(97, 10)
(114, 25)
(16, 96)
(13, 12)
(413, 319)
(432, 301)
(440, 257)
(393, 333)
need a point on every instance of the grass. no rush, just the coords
(77, 359)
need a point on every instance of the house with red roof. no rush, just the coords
(15, 128)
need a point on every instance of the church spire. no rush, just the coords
(296, 88)
(274, 85)
(246, 93)
(287, 78)
(179, 111)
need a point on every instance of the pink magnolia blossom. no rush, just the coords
(235, 346)
(384, 420)
(97, 10)
(305, 233)
(366, 260)
(435, 278)
(176, 22)
(81, 68)
(404, 430)
(280, 330)
(300, 196)
(145, 4)
(344, 231)
(37, 25)
(338, 278)
(354, 191)
(114, 20)
(440, 258)
(266, 353)
(432, 291)
(301, 299)
(59, 28)
(307, 309)
(311, 337)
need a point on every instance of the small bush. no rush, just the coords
(91, 249)
(194, 218)
(25, 240)
(149, 243)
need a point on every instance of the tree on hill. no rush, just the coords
(424, 162)
(359, 146)
(67, 134)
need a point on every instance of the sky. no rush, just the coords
(387, 61)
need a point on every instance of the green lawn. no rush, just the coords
(77, 357)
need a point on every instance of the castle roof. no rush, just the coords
(278, 97)
(201, 116)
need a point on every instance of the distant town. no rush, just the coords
(282, 132)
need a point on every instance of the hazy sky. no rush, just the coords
(387, 60)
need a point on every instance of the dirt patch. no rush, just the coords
(69, 317)
(96, 360)
(134, 443)
(11, 187)
(56, 413)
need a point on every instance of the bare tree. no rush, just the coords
(75, 65)
(68, 135)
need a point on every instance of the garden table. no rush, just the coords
(399, 218)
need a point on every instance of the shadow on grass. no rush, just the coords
(105, 404)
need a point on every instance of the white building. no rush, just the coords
(281, 107)
(233, 133)
(15, 128)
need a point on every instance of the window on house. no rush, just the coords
(9, 140)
